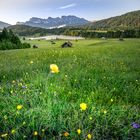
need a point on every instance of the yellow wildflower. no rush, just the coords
(5, 117)
(13, 81)
(4, 135)
(24, 123)
(89, 136)
(35, 133)
(66, 134)
(31, 62)
(43, 130)
(90, 118)
(11, 91)
(79, 131)
(111, 100)
(19, 107)
(105, 111)
(54, 68)
(83, 106)
(13, 131)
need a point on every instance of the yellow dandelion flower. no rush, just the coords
(13, 131)
(111, 100)
(83, 106)
(43, 130)
(4, 135)
(35, 133)
(54, 68)
(19, 107)
(31, 62)
(89, 136)
(24, 123)
(79, 131)
(90, 118)
(66, 134)
(105, 111)
(5, 117)
(13, 81)
(11, 91)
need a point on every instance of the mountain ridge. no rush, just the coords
(3, 24)
(57, 22)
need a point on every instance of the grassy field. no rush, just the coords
(38, 104)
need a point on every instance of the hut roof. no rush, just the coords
(66, 44)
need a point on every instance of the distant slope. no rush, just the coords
(3, 24)
(57, 22)
(24, 30)
(127, 21)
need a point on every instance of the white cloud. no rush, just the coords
(68, 6)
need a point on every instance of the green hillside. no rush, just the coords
(24, 30)
(129, 20)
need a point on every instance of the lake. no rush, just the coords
(53, 37)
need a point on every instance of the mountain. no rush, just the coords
(129, 21)
(3, 24)
(57, 22)
(126, 21)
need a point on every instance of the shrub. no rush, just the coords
(26, 45)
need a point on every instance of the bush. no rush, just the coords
(6, 45)
(26, 45)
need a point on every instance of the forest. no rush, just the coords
(8, 40)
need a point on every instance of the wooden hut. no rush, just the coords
(35, 46)
(52, 42)
(121, 39)
(67, 44)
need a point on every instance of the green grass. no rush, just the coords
(91, 72)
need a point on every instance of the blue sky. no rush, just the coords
(12, 11)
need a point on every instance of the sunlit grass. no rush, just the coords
(95, 94)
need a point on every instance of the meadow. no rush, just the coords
(95, 95)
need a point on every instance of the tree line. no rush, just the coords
(130, 33)
(8, 40)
